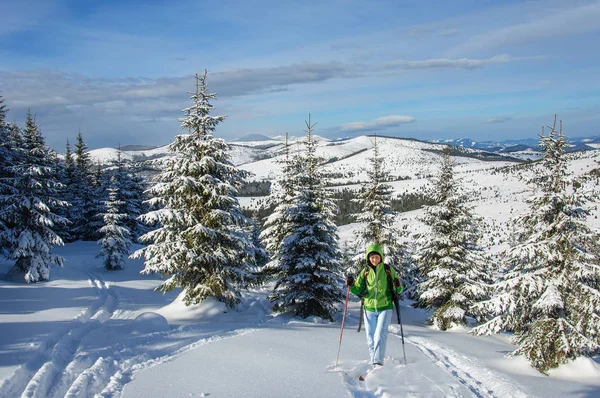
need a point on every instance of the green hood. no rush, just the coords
(374, 248)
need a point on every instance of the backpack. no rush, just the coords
(389, 281)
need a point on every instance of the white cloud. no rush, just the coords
(39, 87)
(378, 124)
(66, 101)
(500, 119)
(462, 63)
(562, 22)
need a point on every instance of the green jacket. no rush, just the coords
(374, 288)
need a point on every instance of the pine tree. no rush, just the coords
(3, 111)
(31, 208)
(16, 136)
(68, 193)
(549, 295)
(453, 270)
(201, 244)
(377, 217)
(62, 191)
(69, 163)
(85, 195)
(7, 157)
(309, 257)
(8, 150)
(100, 184)
(116, 239)
(261, 256)
(278, 225)
(131, 195)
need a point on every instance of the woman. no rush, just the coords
(376, 283)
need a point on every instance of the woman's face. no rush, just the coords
(375, 259)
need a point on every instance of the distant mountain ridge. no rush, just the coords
(254, 147)
(527, 144)
(505, 146)
(137, 147)
(531, 144)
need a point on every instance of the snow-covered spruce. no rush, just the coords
(453, 270)
(278, 225)
(309, 255)
(130, 194)
(201, 244)
(85, 194)
(7, 157)
(116, 239)
(261, 257)
(29, 207)
(377, 218)
(549, 295)
(64, 173)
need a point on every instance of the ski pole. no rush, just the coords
(360, 318)
(342, 330)
(401, 331)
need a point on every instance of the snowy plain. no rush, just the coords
(92, 332)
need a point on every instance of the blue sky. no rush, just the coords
(120, 71)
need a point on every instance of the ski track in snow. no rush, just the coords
(45, 370)
(90, 357)
(483, 382)
(397, 379)
(68, 364)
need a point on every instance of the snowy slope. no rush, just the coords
(90, 331)
(241, 152)
(107, 155)
(348, 159)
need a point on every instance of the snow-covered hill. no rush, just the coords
(347, 160)
(244, 152)
(496, 189)
(107, 155)
(93, 332)
(411, 162)
(255, 147)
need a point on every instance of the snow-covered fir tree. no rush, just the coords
(59, 174)
(67, 193)
(377, 218)
(115, 241)
(260, 252)
(16, 138)
(549, 295)
(201, 244)
(3, 112)
(131, 195)
(453, 270)
(85, 195)
(4, 130)
(100, 183)
(8, 144)
(30, 208)
(69, 163)
(7, 154)
(11, 154)
(278, 225)
(309, 258)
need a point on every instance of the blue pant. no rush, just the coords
(376, 326)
